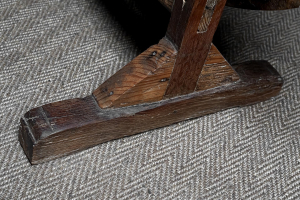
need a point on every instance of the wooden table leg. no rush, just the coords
(182, 77)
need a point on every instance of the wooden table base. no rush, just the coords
(61, 128)
(182, 77)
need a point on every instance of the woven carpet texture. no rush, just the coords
(52, 50)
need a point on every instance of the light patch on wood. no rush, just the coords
(207, 15)
(150, 86)
(143, 80)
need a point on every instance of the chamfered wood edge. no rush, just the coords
(62, 128)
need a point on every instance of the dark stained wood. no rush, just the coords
(182, 77)
(131, 87)
(65, 127)
(264, 4)
(251, 4)
(192, 33)
(216, 71)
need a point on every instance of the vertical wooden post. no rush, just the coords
(191, 29)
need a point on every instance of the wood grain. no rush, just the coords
(207, 15)
(61, 128)
(216, 71)
(141, 71)
(185, 65)
(251, 4)
(151, 85)
(193, 44)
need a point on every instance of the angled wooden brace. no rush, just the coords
(182, 77)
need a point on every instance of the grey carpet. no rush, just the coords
(51, 50)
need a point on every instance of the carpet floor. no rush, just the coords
(52, 50)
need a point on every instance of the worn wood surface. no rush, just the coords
(216, 71)
(145, 79)
(192, 33)
(61, 128)
(251, 4)
(184, 65)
